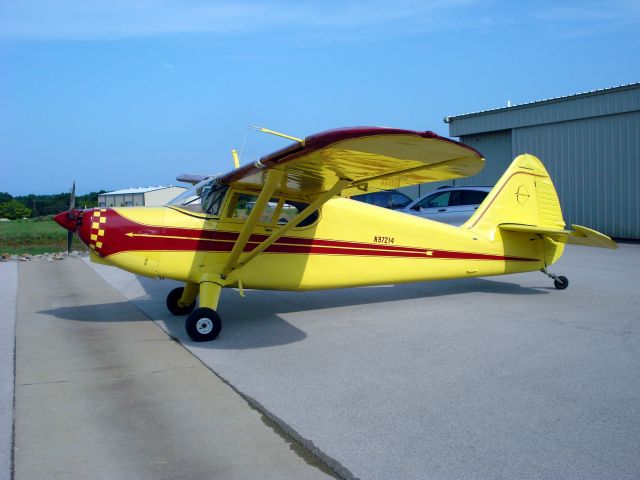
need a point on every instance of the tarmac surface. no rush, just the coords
(8, 280)
(103, 393)
(500, 377)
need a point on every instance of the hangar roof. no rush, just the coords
(138, 190)
(606, 101)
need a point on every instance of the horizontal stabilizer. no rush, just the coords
(578, 236)
(192, 178)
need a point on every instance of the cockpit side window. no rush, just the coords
(278, 211)
(242, 204)
(212, 201)
(204, 197)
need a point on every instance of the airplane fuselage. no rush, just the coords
(351, 244)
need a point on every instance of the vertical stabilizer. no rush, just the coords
(525, 195)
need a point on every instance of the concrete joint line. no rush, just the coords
(140, 374)
(289, 434)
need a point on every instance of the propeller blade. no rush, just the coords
(72, 206)
(72, 196)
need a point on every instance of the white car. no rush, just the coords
(452, 205)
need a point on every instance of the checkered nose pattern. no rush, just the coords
(92, 232)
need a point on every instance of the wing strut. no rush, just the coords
(271, 183)
(275, 236)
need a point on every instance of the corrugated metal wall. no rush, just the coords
(594, 165)
(593, 162)
(590, 144)
(496, 148)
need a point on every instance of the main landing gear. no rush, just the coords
(559, 281)
(202, 324)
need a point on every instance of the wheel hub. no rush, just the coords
(204, 326)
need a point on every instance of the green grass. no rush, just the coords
(34, 236)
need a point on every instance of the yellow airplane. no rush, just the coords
(285, 222)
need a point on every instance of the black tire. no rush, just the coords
(172, 302)
(561, 282)
(203, 325)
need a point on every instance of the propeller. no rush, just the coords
(72, 206)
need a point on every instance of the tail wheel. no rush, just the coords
(203, 324)
(173, 305)
(561, 282)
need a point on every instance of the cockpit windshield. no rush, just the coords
(204, 197)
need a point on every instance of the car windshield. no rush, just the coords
(204, 197)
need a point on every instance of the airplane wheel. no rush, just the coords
(203, 324)
(561, 282)
(172, 302)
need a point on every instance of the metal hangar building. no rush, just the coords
(589, 142)
(134, 197)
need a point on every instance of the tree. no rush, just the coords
(5, 197)
(42, 205)
(13, 210)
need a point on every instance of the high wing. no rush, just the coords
(366, 158)
(344, 161)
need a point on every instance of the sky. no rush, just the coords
(132, 93)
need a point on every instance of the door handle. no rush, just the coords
(442, 210)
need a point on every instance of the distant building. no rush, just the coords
(130, 197)
(589, 142)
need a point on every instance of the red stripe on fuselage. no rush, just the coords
(256, 238)
(123, 235)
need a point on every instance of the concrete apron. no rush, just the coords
(103, 392)
(8, 285)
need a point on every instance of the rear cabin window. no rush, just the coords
(290, 209)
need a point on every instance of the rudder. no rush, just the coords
(524, 195)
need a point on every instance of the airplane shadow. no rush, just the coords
(257, 320)
(242, 331)
(100, 313)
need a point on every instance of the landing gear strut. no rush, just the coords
(559, 281)
(204, 323)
